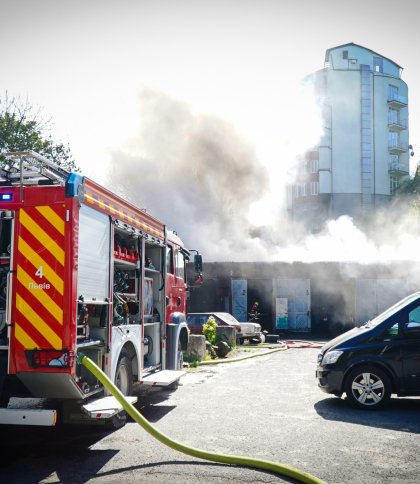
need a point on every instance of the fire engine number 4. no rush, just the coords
(42, 285)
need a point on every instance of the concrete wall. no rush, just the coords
(334, 294)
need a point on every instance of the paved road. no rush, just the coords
(267, 407)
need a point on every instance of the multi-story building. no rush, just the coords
(364, 151)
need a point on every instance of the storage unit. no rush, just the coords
(298, 295)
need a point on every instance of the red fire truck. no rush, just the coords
(82, 270)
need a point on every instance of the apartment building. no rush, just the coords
(364, 152)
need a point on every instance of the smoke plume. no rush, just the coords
(224, 194)
(196, 173)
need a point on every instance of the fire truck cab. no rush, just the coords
(82, 270)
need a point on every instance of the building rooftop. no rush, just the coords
(352, 44)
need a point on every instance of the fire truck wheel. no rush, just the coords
(179, 366)
(124, 374)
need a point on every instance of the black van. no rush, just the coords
(373, 361)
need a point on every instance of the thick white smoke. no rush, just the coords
(223, 189)
(194, 172)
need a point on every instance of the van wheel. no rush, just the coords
(124, 374)
(368, 387)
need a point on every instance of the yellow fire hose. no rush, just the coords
(201, 454)
(240, 358)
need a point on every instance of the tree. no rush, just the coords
(408, 193)
(23, 128)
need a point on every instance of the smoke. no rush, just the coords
(391, 237)
(222, 186)
(196, 173)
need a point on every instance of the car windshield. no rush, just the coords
(227, 318)
(391, 311)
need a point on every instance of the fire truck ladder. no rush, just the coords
(30, 168)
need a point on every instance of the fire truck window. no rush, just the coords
(169, 261)
(180, 265)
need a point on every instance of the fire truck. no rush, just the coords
(83, 270)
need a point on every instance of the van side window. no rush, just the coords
(413, 319)
(394, 326)
(391, 332)
(400, 321)
(414, 316)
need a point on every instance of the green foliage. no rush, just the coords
(209, 330)
(23, 129)
(410, 186)
(192, 360)
(415, 206)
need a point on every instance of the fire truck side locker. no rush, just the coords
(82, 270)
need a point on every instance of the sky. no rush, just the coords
(193, 109)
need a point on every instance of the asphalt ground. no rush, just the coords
(267, 407)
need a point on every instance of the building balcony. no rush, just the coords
(397, 169)
(396, 101)
(397, 125)
(397, 147)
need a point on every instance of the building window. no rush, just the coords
(345, 54)
(394, 183)
(313, 166)
(393, 139)
(393, 162)
(393, 93)
(300, 190)
(378, 64)
(392, 116)
(314, 188)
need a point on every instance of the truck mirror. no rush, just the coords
(198, 263)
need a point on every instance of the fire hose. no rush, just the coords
(194, 452)
(271, 348)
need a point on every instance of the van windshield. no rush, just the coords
(392, 310)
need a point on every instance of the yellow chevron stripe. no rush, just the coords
(38, 323)
(24, 339)
(42, 236)
(40, 294)
(37, 261)
(52, 217)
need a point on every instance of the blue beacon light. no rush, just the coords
(5, 197)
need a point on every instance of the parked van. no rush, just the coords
(377, 359)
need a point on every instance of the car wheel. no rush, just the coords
(124, 374)
(261, 338)
(368, 387)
